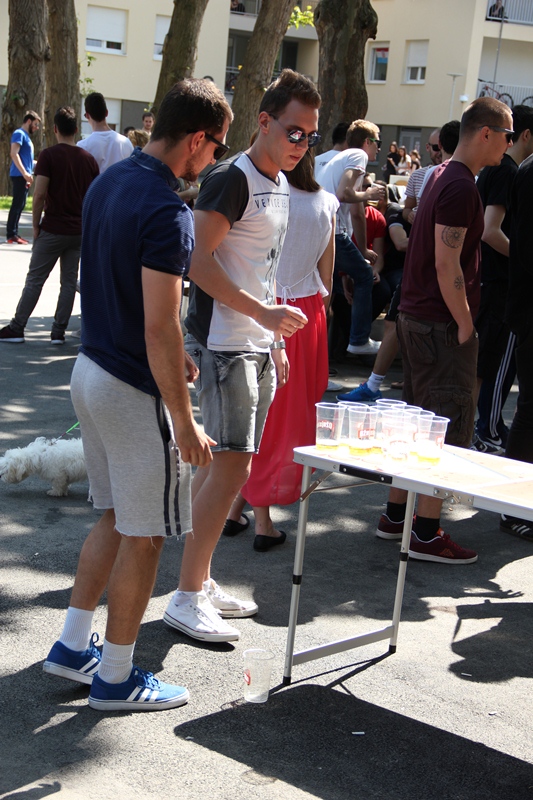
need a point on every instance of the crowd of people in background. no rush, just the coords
(281, 245)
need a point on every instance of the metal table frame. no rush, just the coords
(500, 473)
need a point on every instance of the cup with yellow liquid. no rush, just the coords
(329, 419)
(429, 446)
(362, 431)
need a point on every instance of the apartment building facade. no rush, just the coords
(429, 59)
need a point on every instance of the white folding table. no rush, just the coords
(462, 476)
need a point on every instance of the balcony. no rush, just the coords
(511, 95)
(252, 6)
(517, 11)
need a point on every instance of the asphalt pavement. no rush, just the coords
(448, 715)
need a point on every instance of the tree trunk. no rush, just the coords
(180, 49)
(27, 53)
(343, 29)
(63, 69)
(256, 73)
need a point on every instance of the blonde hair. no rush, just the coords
(138, 138)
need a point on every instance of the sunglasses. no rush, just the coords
(219, 151)
(434, 147)
(377, 141)
(297, 136)
(508, 134)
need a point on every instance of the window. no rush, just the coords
(379, 59)
(106, 29)
(162, 24)
(417, 54)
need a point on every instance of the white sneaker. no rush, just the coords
(334, 387)
(199, 619)
(227, 605)
(369, 348)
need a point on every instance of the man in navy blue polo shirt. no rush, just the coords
(129, 389)
(21, 173)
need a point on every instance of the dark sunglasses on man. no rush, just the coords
(508, 133)
(297, 136)
(434, 147)
(219, 151)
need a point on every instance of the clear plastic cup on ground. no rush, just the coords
(257, 673)
(329, 420)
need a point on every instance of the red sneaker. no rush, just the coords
(440, 549)
(20, 240)
(387, 529)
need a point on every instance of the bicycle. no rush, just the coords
(487, 90)
(528, 101)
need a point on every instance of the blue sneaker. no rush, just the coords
(141, 692)
(361, 393)
(76, 665)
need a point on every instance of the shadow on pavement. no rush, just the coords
(336, 747)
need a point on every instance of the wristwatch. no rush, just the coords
(278, 345)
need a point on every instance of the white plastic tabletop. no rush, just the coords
(482, 481)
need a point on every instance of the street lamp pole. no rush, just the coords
(453, 76)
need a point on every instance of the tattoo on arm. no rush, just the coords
(459, 283)
(453, 237)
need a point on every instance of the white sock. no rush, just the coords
(77, 629)
(375, 381)
(180, 598)
(117, 661)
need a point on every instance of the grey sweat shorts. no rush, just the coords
(132, 461)
(235, 391)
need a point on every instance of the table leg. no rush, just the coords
(297, 576)
(404, 555)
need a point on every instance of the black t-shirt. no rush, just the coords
(394, 259)
(518, 311)
(494, 185)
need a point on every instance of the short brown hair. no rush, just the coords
(481, 112)
(289, 86)
(359, 131)
(65, 121)
(193, 104)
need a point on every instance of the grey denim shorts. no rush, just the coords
(235, 390)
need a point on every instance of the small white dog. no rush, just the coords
(60, 461)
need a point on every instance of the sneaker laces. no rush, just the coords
(218, 592)
(448, 542)
(92, 648)
(145, 679)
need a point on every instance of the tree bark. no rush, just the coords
(27, 53)
(343, 29)
(256, 73)
(180, 48)
(63, 69)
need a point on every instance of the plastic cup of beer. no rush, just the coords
(329, 419)
(397, 432)
(362, 430)
(429, 449)
(386, 402)
(345, 435)
(257, 673)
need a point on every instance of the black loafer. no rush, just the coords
(232, 527)
(264, 543)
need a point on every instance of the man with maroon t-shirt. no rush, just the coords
(63, 174)
(440, 299)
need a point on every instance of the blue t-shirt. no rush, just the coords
(132, 218)
(21, 137)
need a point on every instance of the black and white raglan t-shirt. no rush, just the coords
(257, 209)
